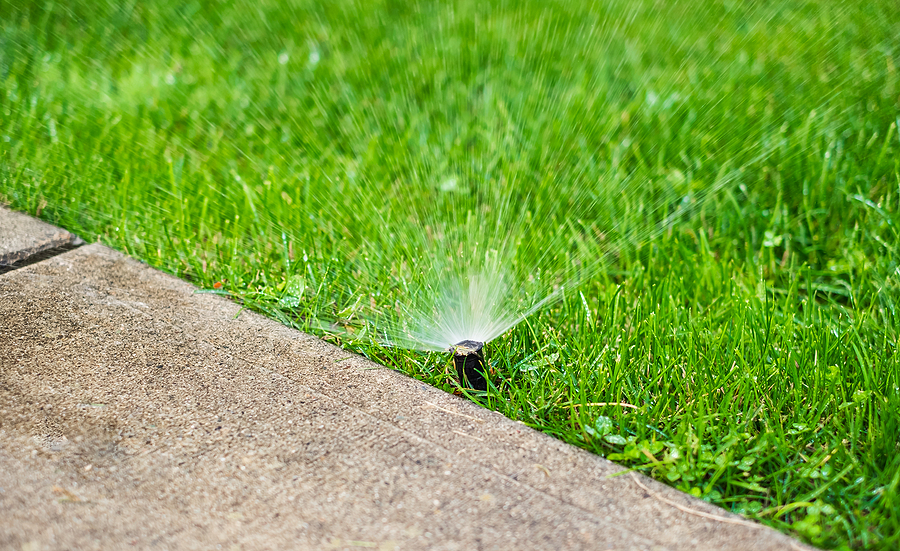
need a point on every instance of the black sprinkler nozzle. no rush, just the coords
(470, 365)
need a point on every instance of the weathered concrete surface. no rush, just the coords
(135, 412)
(22, 236)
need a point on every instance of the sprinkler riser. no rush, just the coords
(468, 356)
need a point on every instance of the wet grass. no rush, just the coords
(282, 152)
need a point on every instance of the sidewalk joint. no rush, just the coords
(41, 256)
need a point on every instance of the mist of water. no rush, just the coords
(450, 170)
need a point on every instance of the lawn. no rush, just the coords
(709, 192)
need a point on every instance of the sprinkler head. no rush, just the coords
(469, 359)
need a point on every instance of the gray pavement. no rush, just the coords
(23, 237)
(136, 413)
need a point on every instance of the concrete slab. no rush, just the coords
(136, 412)
(22, 237)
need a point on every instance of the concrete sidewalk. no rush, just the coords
(24, 239)
(136, 413)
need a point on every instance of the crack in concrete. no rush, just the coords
(41, 255)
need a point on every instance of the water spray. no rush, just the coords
(470, 365)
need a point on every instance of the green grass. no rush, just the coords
(291, 150)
